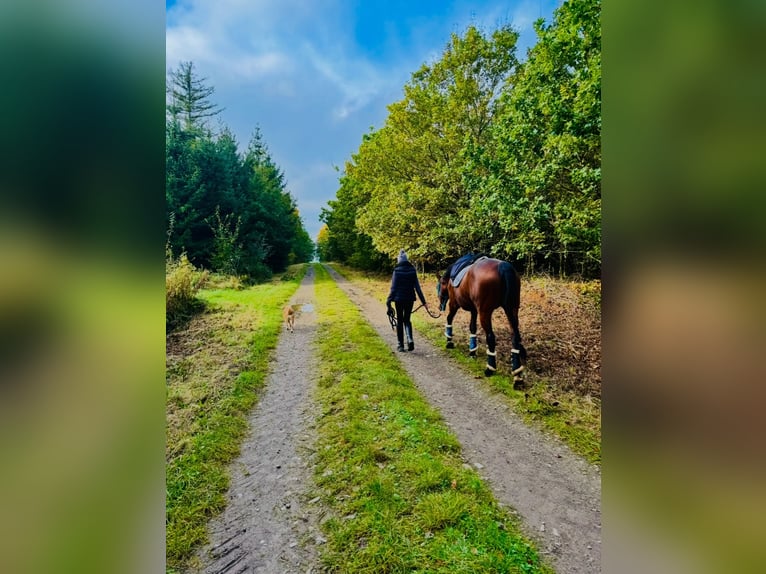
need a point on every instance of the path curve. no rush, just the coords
(267, 526)
(556, 493)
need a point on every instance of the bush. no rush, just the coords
(182, 281)
(228, 251)
(220, 281)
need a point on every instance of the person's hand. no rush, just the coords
(389, 309)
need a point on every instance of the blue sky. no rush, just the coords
(316, 75)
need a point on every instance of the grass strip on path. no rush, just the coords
(391, 473)
(215, 368)
(575, 419)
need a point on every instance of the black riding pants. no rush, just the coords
(403, 313)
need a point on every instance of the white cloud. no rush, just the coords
(219, 41)
(356, 81)
(187, 43)
(250, 66)
(299, 48)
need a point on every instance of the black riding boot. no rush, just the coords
(399, 330)
(410, 342)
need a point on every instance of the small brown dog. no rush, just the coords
(288, 314)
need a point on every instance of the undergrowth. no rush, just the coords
(182, 282)
(391, 473)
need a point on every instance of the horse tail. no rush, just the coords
(511, 285)
(512, 299)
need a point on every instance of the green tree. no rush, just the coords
(189, 98)
(412, 168)
(231, 211)
(345, 242)
(303, 249)
(323, 249)
(271, 209)
(202, 173)
(542, 172)
(487, 154)
(227, 249)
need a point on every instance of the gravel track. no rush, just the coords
(267, 526)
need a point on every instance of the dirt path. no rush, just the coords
(266, 526)
(556, 493)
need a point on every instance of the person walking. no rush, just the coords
(404, 285)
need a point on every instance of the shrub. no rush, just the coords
(182, 281)
(228, 251)
(220, 281)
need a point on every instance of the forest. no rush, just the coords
(226, 211)
(484, 153)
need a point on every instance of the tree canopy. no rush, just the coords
(230, 211)
(485, 153)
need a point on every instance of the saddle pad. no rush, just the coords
(459, 277)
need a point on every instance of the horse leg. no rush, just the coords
(518, 352)
(448, 331)
(473, 344)
(486, 323)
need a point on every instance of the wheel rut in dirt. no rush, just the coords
(267, 525)
(555, 493)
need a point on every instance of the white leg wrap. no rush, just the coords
(491, 354)
(518, 371)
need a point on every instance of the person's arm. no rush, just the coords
(391, 291)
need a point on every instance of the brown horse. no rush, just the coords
(487, 285)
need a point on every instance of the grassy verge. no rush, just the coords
(574, 418)
(391, 472)
(215, 366)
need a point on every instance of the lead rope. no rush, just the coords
(392, 318)
(427, 311)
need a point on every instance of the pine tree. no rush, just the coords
(188, 98)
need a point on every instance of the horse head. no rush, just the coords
(442, 289)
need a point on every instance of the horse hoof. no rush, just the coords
(450, 345)
(472, 354)
(488, 372)
(518, 384)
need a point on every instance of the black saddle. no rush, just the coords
(463, 262)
